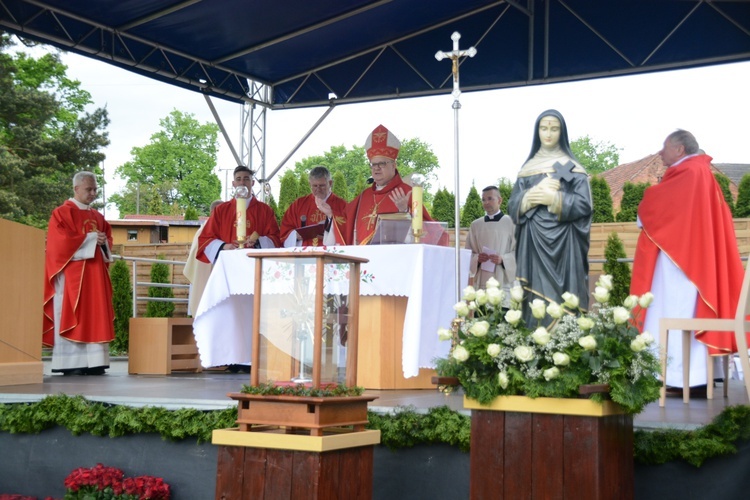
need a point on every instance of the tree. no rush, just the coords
(191, 214)
(472, 209)
(272, 203)
(632, 194)
(619, 270)
(177, 167)
(602, 200)
(340, 188)
(724, 182)
(160, 274)
(304, 186)
(443, 207)
(288, 192)
(505, 186)
(595, 157)
(742, 208)
(122, 302)
(415, 156)
(45, 134)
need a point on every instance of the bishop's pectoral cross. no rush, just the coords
(372, 217)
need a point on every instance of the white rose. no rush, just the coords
(571, 300)
(524, 353)
(551, 373)
(513, 317)
(601, 294)
(460, 353)
(588, 342)
(492, 283)
(538, 308)
(605, 281)
(516, 294)
(637, 344)
(469, 293)
(461, 308)
(495, 296)
(480, 328)
(493, 350)
(646, 300)
(502, 379)
(472, 306)
(620, 315)
(585, 323)
(561, 359)
(481, 297)
(445, 334)
(541, 336)
(648, 339)
(554, 310)
(630, 302)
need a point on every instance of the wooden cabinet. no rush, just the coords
(159, 346)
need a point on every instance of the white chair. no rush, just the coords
(739, 325)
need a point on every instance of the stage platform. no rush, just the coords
(207, 390)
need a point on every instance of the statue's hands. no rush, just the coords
(548, 184)
(541, 197)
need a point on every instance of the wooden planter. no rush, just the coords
(299, 412)
(550, 448)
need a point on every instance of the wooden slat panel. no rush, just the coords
(279, 467)
(230, 472)
(519, 470)
(305, 475)
(487, 448)
(356, 473)
(547, 449)
(332, 473)
(582, 459)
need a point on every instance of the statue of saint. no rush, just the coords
(551, 207)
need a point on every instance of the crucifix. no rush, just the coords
(454, 56)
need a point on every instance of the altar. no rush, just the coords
(407, 293)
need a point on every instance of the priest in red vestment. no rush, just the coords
(220, 231)
(304, 211)
(78, 313)
(389, 194)
(687, 254)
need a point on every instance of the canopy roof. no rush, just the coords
(301, 53)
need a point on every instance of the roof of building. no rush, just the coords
(157, 220)
(735, 171)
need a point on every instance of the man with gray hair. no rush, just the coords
(687, 256)
(78, 312)
(304, 212)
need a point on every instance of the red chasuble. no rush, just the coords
(222, 225)
(362, 213)
(692, 224)
(86, 311)
(306, 206)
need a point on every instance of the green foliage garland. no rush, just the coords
(404, 428)
(122, 302)
(270, 389)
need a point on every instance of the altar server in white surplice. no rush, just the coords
(492, 242)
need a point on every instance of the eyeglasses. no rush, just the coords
(380, 164)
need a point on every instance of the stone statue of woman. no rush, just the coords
(551, 207)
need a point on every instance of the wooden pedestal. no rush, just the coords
(159, 346)
(260, 466)
(381, 326)
(519, 453)
(21, 298)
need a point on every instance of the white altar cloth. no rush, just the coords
(423, 273)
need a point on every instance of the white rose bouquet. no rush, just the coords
(495, 353)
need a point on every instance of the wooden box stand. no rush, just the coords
(159, 346)
(550, 448)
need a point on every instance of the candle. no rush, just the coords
(241, 220)
(416, 210)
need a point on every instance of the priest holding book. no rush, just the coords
(303, 223)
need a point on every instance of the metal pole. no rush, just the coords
(454, 56)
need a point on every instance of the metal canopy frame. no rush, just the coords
(305, 52)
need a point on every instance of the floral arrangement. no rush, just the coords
(102, 482)
(495, 353)
(306, 390)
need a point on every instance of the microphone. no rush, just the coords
(303, 220)
(370, 180)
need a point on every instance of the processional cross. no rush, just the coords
(454, 56)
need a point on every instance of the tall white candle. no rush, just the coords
(241, 220)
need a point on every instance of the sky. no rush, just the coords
(495, 128)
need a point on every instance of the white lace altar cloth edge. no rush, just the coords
(423, 273)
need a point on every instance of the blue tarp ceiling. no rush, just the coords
(295, 53)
